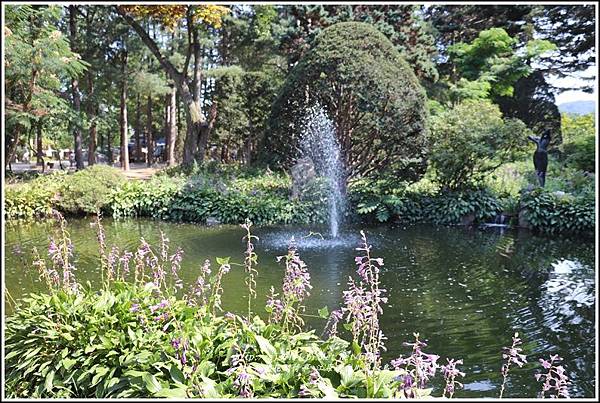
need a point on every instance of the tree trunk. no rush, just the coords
(100, 141)
(138, 129)
(75, 91)
(195, 120)
(39, 147)
(205, 130)
(224, 154)
(124, 137)
(92, 144)
(166, 129)
(109, 154)
(149, 137)
(172, 127)
(92, 117)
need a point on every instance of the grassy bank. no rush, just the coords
(229, 194)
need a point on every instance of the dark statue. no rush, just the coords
(540, 156)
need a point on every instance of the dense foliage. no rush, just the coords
(579, 145)
(411, 205)
(554, 212)
(198, 199)
(68, 71)
(365, 86)
(471, 140)
(402, 24)
(83, 192)
(37, 58)
(226, 194)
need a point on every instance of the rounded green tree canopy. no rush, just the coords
(369, 92)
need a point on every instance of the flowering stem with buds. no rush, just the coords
(511, 355)
(555, 380)
(250, 259)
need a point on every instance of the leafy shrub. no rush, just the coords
(471, 140)
(88, 190)
(581, 153)
(98, 345)
(553, 213)
(449, 208)
(380, 117)
(262, 199)
(33, 199)
(26, 201)
(151, 198)
(579, 134)
(417, 205)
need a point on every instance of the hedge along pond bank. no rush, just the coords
(465, 292)
(231, 197)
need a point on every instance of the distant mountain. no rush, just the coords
(578, 107)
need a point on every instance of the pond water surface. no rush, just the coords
(465, 291)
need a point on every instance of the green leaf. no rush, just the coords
(265, 346)
(49, 379)
(151, 383)
(349, 377)
(67, 363)
(356, 348)
(208, 387)
(222, 260)
(180, 392)
(131, 333)
(324, 312)
(176, 374)
(11, 355)
(67, 336)
(327, 389)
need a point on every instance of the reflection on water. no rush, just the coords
(465, 291)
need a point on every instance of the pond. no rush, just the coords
(465, 291)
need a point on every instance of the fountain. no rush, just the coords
(319, 143)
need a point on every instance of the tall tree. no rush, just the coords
(570, 27)
(149, 86)
(198, 124)
(123, 115)
(171, 134)
(38, 62)
(403, 25)
(75, 94)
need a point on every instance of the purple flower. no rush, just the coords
(296, 281)
(304, 391)
(112, 261)
(176, 266)
(512, 355)
(363, 305)
(419, 366)
(450, 372)
(125, 261)
(242, 382)
(314, 376)
(161, 305)
(331, 326)
(556, 380)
